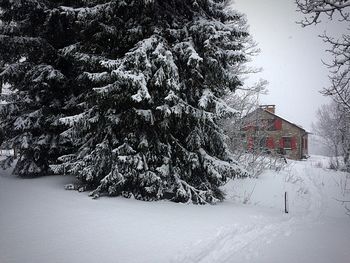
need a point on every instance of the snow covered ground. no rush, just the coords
(41, 222)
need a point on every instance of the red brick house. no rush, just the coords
(263, 130)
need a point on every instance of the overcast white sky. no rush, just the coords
(291, 57)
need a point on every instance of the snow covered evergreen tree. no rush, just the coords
(40, 79)
(130, 92)
(158, 71)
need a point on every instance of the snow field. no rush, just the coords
(315, 230)
(41, 222)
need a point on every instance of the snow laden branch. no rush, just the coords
(339, 67)
(314, 9)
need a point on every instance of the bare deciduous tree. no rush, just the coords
(330, 126)
(339, 67)
(246, 102)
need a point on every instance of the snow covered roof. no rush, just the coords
(277, 116)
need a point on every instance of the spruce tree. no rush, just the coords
(41, 80)
(130, 92)
(158, 73)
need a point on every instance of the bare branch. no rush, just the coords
(339, 67)
(342, 201)
(315, 9)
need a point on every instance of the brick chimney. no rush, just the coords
(269, 108)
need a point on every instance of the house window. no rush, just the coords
(266, 125)
(287, 142)
(271, 125)
(262, 142)
(256, 143)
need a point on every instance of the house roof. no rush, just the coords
(275, 115)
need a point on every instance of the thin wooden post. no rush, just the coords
(286, 203)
